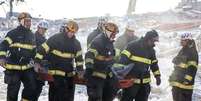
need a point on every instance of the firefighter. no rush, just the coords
(128, 36)
(142, 54)
(101, 82)
(63, 50)
(42, 27)
(97, 31)
(185, 67)
(16, 51)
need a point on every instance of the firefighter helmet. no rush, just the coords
(71, 26)
(153, 35)
(23, 15)
(43, 24)
(186, 36)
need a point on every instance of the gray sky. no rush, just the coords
(55, 9)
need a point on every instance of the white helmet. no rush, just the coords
(43, 24)
(186, 36)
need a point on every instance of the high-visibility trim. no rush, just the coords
(188, 77)
(39, 56)
(79, 63)
(79, 53)
(104, 58)
(180, 85)
(17, 67)
(2, 53)
(25, 46)
(192, 63)
(61, 73)
(157, 72)
(63, 55)
(99, 74)
(88, 60)
(94, 51)
(154, 61)
(127, 53)
(144, 81)
(182, 65)
(23, 99)
(140, 59)
(117, 52)
(9, 40)
(117, 65)
(110, 74)
(46, 47)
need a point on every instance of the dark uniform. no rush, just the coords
(62, 52)
(101, 85)
(92, 35)
(39, 83)
(182, 78)
(20, 43)
(144, 60)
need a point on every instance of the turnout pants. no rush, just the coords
(99, 89)
(14, 78)
(61, 89)
(181, 94)
(139, 92)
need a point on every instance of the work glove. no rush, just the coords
(158, 80)
(2, 62)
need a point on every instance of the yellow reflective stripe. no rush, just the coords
(63, 55)
(46, 47)
(127, 53)
(116, 65)
(188, 77)
(79, 53)
(117, 52)
(9, 40)
(23, 99)
(104, 58)
(157, 72)
(2, 53)
(154, 61)
(39, 56)
(182, 65)
(17, 67)
(140, 59)
(61, 73)
(88, 60)
(79, 63)
(98, 74)
(25, 46)
(192, 63)
(144, 81)
(180, 85)
(94, 51)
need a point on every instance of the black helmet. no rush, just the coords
(151, 35)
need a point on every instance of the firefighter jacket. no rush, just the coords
(144, 60)
(39, 39)
(99, 57)
(19, 43)
(92, 35)
(185, 67)
(63, 55)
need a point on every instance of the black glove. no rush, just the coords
(158, 80)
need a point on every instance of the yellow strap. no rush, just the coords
(154, 61)
(140, 59)
(127, 53)
(88, 60)
(188, 77)
(79, 63)
(9, 40)
(25, 46)
(63, 55)
(46, 47)
(157, 72)
(61, 73)
(17, 67)
(94, 51)
(180, 85)
(39, 56)
(144, 81)
(98, 74)
(118, 65)
(2, 53)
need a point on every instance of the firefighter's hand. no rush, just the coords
(38, 68)
(2, 62)
(158, 80)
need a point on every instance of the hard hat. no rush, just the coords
(43, 24)
(71, 26)
(24, 15)
(186, 36)
(153, 34)
(111, 27)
